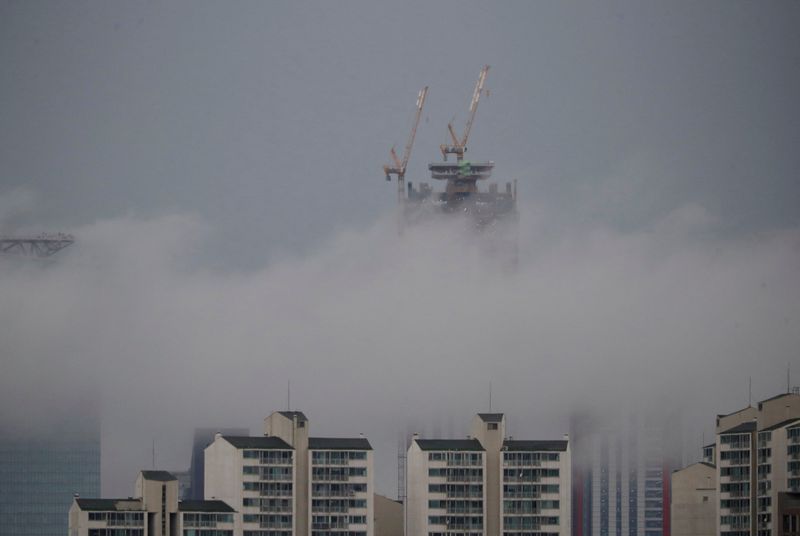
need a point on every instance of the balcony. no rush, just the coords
(329, 526)
(464, 478)
(275, 493)
(330, 509)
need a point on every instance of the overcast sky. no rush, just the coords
(220, 165)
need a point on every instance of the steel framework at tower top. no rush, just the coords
(40, 246)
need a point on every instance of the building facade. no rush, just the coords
(154, 510)
(38, 478)
(622, 476)
(756, 460)
(694, 499)
(202, 438)
(488, 484)
(286, 483)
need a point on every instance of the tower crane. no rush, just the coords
(459, 145)
(399, 167)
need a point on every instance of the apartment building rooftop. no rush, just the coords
(257, 442)
(546, 445)
(110, 505)
(449, 444)
(301, 417)
(339, 443)
(160, 476)
(749, 426)
(781, 424)
(776, 397)
(204, 506)
(491, 417)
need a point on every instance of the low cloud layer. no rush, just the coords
(380, 333)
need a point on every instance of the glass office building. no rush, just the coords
(43, 466)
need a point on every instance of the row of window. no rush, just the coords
(269, 520)
(529, 458)
(735, 520)
(464, 475)
(269, 457)
(337, 490)
(529, 507)
(457, 506)
(736, 472)
(337, 473)
(269, 489)
(735, 441)
(268, 473)
(512, 522)
(336, 457)
(116, 532)
(735, 457)
(119, 519)
(457, 522)
(736, 489)
(741, 505)
(337, 520)
(207, 532)
(337, 533)
(528, 475)
(268, 505)
(528, 490)
(457, 490)
(337, 505)
(205, 519)
(457, 458)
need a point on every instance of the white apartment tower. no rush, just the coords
(153, 511)
(488, 484)
(286, 483)
(757, 463)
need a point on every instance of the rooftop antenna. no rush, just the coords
(154, 453)
(749, 391)
(288, 395)
(788, 378)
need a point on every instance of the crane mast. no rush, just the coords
(399, 167)
(459, 145)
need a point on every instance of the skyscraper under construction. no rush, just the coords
(486, 208)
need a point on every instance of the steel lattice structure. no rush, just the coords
(40, 246)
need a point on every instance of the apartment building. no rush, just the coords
(286, 483)
(756, 458)
(488, 484)
(154, 510)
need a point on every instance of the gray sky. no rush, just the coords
(221, 167)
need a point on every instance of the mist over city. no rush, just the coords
(237, 250)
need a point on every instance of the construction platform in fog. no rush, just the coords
(461, 193)
(39, 246)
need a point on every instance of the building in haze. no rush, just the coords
(756, 466)
(153, 510)
(41, 469)
(622, 473)
(286, 483)
(694, 500)
(488, 484)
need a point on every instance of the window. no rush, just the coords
(492, 426)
